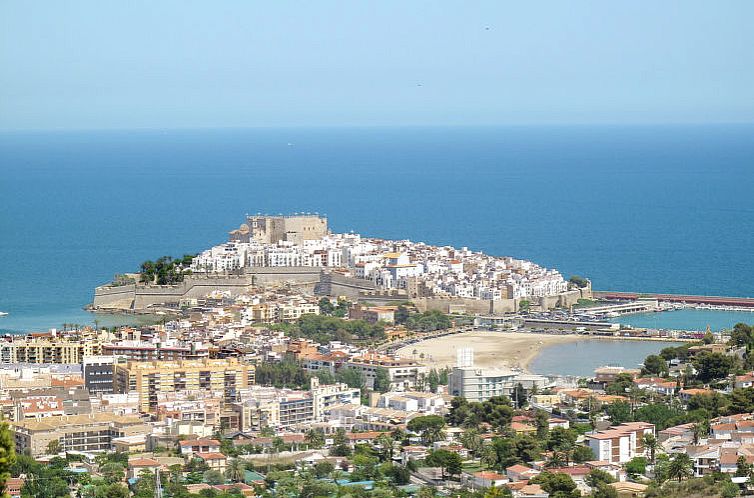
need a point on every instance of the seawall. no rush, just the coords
(142, 296)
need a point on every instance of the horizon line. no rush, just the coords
(574, 124)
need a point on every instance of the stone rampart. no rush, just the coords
(140, 296)
(333, 284)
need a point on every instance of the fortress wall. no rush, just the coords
(332, 284)
(450, 304)
(198, 286)
(120, 297)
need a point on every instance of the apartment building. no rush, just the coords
(90, 433)
(279, 408)
(402, 373)
(98, 374)
(144, 351)
(149, 379)
(48, 350)
(621, 443)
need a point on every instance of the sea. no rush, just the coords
(582, 357)
(634, 208)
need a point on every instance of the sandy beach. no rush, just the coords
(491, 349)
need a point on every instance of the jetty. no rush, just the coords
(742, 302)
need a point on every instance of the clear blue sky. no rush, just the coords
(163, 64)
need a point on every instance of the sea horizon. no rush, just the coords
(632, 207)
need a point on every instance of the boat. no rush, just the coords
(3, 313)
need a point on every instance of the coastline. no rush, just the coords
(503, 349)
(491, 349)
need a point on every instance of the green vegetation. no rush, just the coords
(450, 462)
(422, 322)
(284, 374)
(7, 454)
(339, 310)
(496, 411)
(166, 270)
(578, 281)
(324, 329)
(430, 427)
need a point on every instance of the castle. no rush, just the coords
(273, 229)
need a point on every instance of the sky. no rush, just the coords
(178, 63)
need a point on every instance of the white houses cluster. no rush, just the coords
(392, 264)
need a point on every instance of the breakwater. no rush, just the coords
(744, 302)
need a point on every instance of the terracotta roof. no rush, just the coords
(211, 456)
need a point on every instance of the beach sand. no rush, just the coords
(491, 349)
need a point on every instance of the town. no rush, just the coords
(270, 388)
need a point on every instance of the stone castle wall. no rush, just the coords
(313, 279)
(139, 296)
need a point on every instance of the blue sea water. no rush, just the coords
(580, 358)
(652, 208)
(687, 319)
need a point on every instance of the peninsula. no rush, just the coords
(301, 250)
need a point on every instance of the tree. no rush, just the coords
(562, 440)
(699, 431)
(386, 444)
(450, 462)
(680, 467)
(144, 487)
(651, 444)
(621, 385)
(213, 477)
(113, 472)
(713, 404)
(713, 366)
(353, 377)
(323, 468)
(741, 400)
(655, 365)
(341, 446)
(498, 492)
(54, 447)
(381, 380)
(315, 438)
(619, 412)
(235, 470)
(582, 454)
(596, 477)
(430, 427)
(542, 422)
(433, 379)
(604, 491)
(398, 474)
(325, 306)
(743, 469)
(401, 315)
(636, 466)
(472, 441)
(7, 454)
(742, 335)
(578, 281)
(558, 485)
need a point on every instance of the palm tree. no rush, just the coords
(314, 438)
(698, 431)
(387, 445)
(235, 470)
(681, 466)
(650, 443)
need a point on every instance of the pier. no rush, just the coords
(741, 302)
